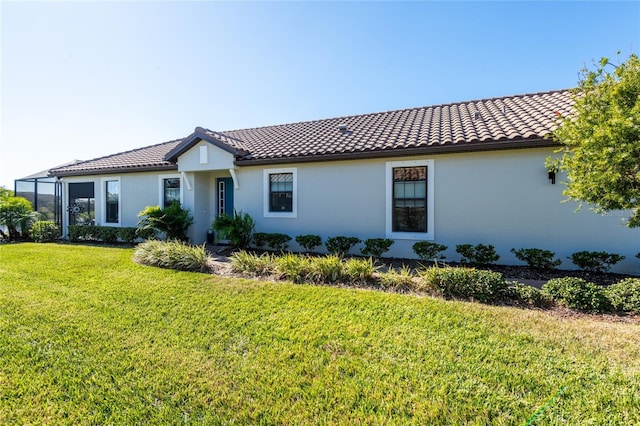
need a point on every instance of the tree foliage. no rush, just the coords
(17, 215)
(601, 152)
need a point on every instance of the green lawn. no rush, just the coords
(89, 337)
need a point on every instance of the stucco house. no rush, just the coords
(468, 172)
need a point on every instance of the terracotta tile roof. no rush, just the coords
(498, 123)
(147, 158)
(506, 122)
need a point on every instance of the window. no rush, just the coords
(112, 201)
(81, 206)
(280, 187)
(410, 199)
(170, 191)
(281, 192)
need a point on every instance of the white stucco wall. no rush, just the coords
(214, 158)
(502, 198)
(137, 191)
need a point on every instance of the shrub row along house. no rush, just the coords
(469, 172)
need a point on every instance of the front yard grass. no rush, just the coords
(89, 337)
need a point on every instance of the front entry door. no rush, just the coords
(224, 197)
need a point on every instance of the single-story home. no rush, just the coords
(468, 172)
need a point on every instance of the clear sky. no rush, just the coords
(83, 80)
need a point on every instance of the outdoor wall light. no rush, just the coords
(552, 165)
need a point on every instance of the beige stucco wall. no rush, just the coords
(502, 198)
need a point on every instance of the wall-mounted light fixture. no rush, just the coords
(552, 165)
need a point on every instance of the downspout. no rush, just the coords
(236, 184)
(186, 180)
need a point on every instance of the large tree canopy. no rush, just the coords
(601, 139)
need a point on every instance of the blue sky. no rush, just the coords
(83, 80)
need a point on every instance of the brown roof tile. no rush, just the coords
(506, 122)
(147, 158)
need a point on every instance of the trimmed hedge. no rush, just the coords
(527, 295)
(624, 296)
(107, 234)
(576, 293)
(466, 283)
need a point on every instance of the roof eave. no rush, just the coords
(405, 152)
(112, 171)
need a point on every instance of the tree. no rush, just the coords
(16, 213)
(4, 193)
(601, 139)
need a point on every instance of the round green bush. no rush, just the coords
(576, 293)
(466, 283)
(625, 295)
(44, 231)
(528, 295)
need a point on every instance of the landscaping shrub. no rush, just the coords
(376, 247)
(81, 233)
(127, 234)
(275, 241)
(528, 295)
(466, 283)
(17, 215)
(624, 296)
(238, 229)
(173, 255)
(309, 242)
(359, 270)
(595, 261)
(173, 221)
(341, 245)
(325, 269)
(292, 267)
(44, 231)
(478, 255)
(537, 258)
(426, 250)
(107, 234)
(245, 262)
(576, 293)
(398, 280)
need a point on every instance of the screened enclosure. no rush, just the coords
(45, 195)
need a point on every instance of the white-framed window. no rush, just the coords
(111, 205)
(280, 192)
(170, 189)
(409, 200)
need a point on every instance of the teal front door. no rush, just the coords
(224, 197)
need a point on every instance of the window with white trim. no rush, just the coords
(280, 192)
(170, 189)
(111, 201)
(409, 199)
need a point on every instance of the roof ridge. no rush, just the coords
(470, 101)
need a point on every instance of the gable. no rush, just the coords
(203, 156)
